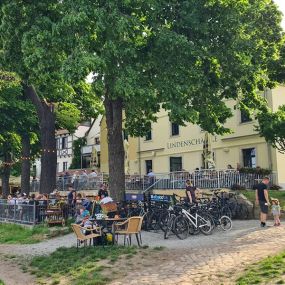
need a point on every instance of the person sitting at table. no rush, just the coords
(105, 199)
(84, 215)
(84, 221)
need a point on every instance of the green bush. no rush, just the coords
(275, 187)
(237, 187)
(258, 170)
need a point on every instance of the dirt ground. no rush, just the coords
(211, 260)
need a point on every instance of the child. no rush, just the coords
(83, 216)
(276, 211)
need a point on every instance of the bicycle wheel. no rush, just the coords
(226, 211)
(169, 227)
(163, 220)
(181, 227)
(193, 230)
(205, 224)
(153, 223)
(146, 221)
(225, 223)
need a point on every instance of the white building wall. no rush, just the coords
(64, 155)
(94, 131)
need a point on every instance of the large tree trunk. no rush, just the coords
(26, 165)
(46, 116)
(48, 158)
(114, 116)
(6, 174)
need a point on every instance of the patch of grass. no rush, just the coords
(81, 268)
(1, 282)
(12, 233)
(267, 270)
(280, 195)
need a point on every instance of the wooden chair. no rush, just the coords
(131, 226)
(82, 238)
(54, 215)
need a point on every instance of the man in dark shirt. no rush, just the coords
(262, 199)
(103, 191)
(190, 192)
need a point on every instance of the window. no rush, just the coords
(244, 116)
(57, 143)
(64, 166)
(99, 159)
(249, 157)
(148, 166)
(174, 129)
(175, 164)
(57, 167)
(34, 170)
(148, 136)
(64, 141)
(97, 141)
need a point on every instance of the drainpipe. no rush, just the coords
(139, 150)
(269, 148)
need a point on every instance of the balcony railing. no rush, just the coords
(204, 179)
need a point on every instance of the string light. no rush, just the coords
(33, 157)
(48, 150)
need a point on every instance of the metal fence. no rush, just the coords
(11, 211)
(204, 179)
(79, 182)
(30, 212)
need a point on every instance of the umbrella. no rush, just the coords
(207, 152)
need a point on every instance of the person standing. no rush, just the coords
(103, 191)
(190, 192)
(71, 196)
(262, 199)
(276, 211)
(92, 179)
(151, 178)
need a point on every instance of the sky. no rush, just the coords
(281, 4)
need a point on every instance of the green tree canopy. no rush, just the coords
(183, 56)
(272, 128)
(29, 48)
(17, 120)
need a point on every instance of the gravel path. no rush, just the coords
(42, 248)
(197, 260)
(149, 238)
(210, 260)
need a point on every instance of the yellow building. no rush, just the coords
(169, 147)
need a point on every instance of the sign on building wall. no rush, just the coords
(189, 143)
